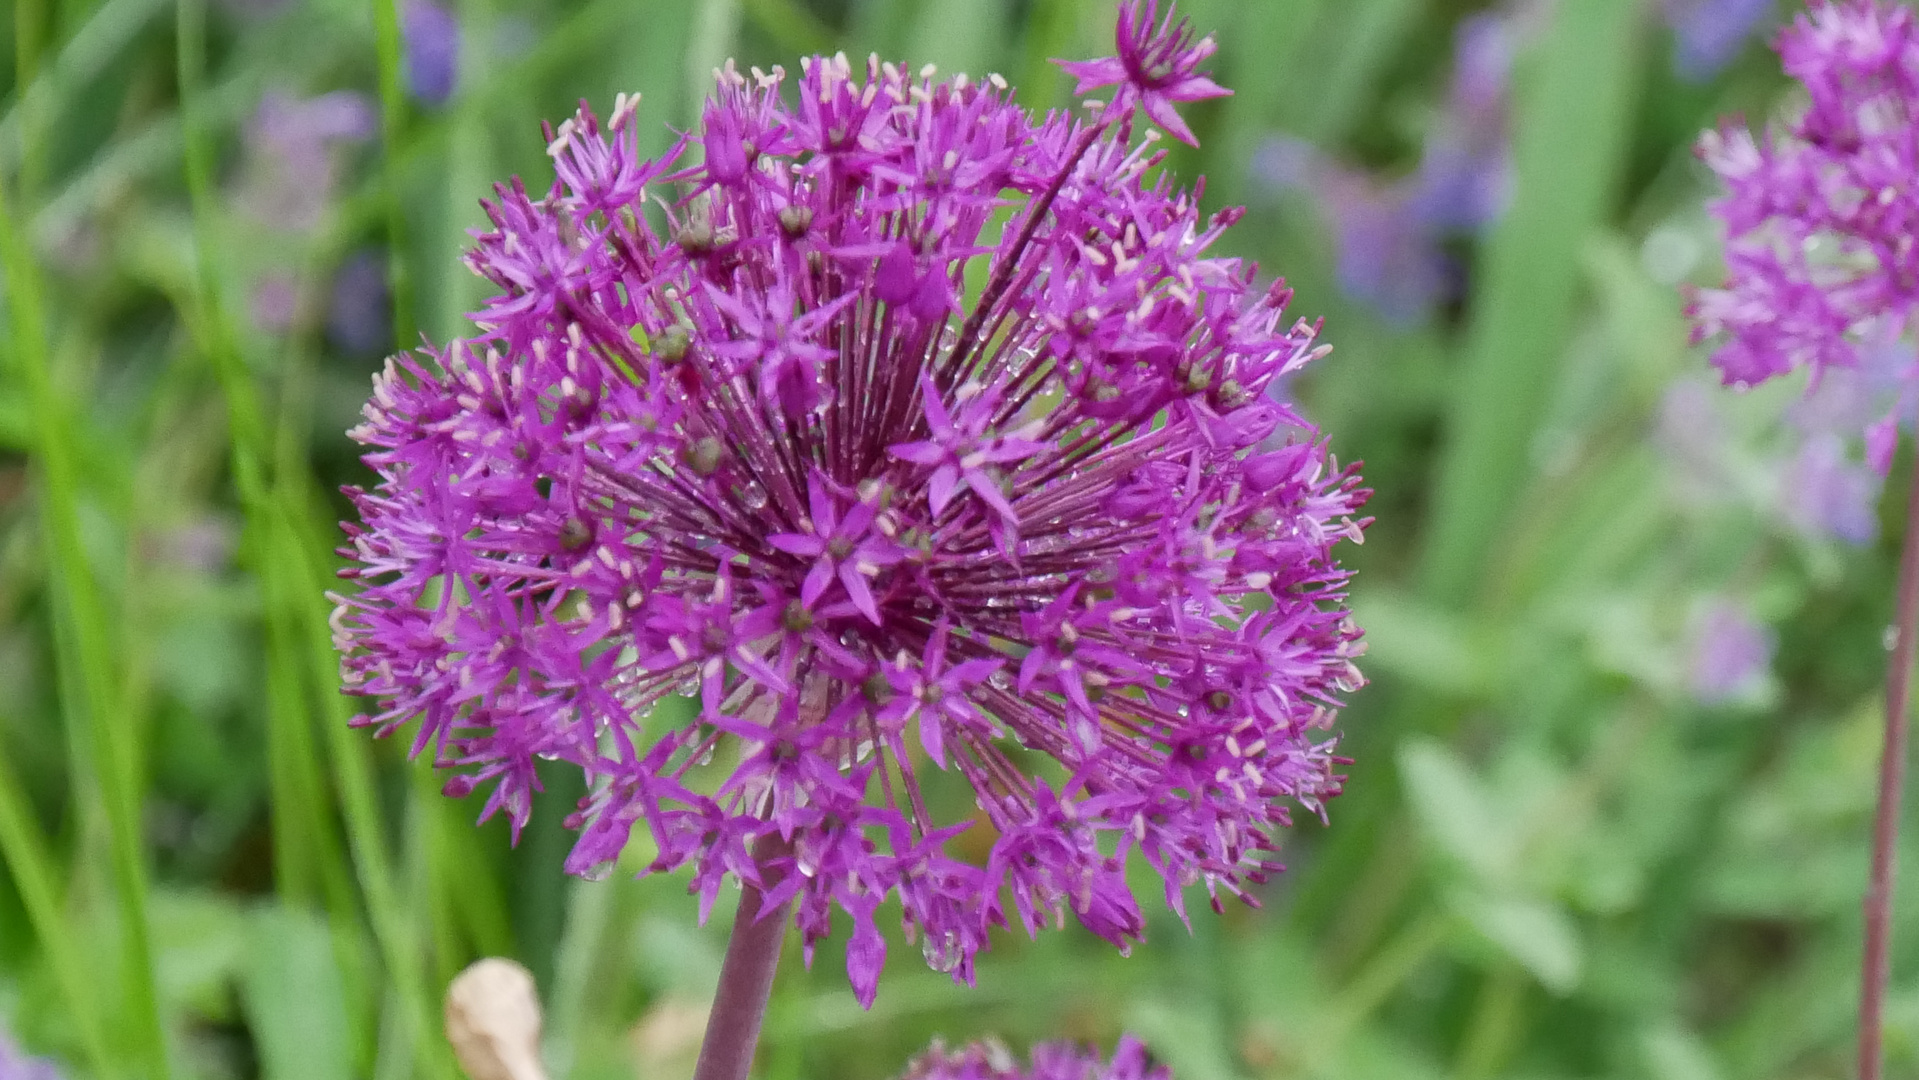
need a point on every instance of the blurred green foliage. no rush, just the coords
(1551, 862)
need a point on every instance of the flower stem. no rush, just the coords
(1892, 782)
(746, 977)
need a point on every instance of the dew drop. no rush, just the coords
(599, 871)
(942, 951)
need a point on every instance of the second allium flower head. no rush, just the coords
(918, 437)
(1820, 212)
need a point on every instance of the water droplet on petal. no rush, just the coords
(942, 951)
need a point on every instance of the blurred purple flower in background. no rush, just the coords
(293, 156)
(1822, 273)
(1708, 34)
(1390, 235)
(275, 300)
(431, 38)
(1826, 492)
(1465, 178)
(1022, 547)
(359, 313)
(17, 1064)
(1730, 653)
(1051, 1061)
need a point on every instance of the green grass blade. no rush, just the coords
(99, 41)
(291, 574)
(716, 28)
(1569, 152)
(86, 652)
(366, 832)
(24, 848)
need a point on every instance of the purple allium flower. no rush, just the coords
(293, 156)
(756, 440)
(1730, 653)
(1051, 1061)
(1821, 214)
(1157, 66)
(431, 38)
(17, 1064)
(1709, 33)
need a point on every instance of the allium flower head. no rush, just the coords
(924, 444)
(1821, 213)
(1052, 1061)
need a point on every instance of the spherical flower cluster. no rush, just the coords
(921, 441)
(1052, 1061)
(1821, 214)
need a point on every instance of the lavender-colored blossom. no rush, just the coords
(1708, 34)
(431, 39)
(1820, 213)
(1051, 1061)
(760, 445)
(293, 159)
(1157, 67)
(17, 1064)
(1730, 653)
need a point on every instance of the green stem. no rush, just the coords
(1375, 982)
(386, 44)
(1489, 1036)
(29, 25)
(86, 653)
